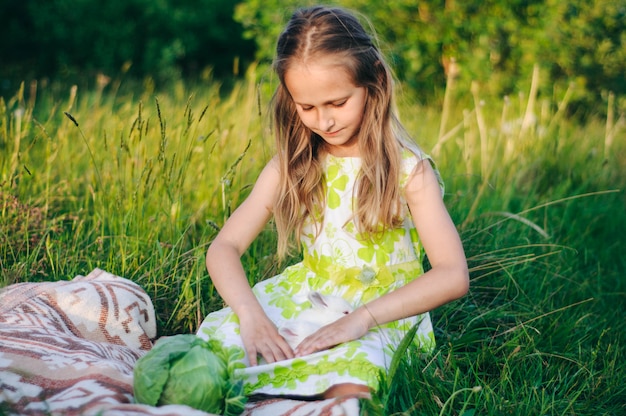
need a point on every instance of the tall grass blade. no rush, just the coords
(91, 155)
(400, 352)
(524, 221)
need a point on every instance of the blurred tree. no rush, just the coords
(494, 42)
(162, 37)
(585, 43)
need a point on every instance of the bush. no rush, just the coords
(494, 42)
(161, 38)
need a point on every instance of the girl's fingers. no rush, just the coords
(252, 354)
(271, 348)
(345, 329)
(278, 352)
(321, 340)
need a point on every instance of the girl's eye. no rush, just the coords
(340, 104)
(306, 108)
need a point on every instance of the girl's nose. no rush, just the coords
(326, 120)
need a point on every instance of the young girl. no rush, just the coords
(363, 202)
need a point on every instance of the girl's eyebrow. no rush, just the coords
(327, 102)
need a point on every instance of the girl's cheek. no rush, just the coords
(306, 120)
(303, 117)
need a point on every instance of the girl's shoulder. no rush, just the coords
(411, 164)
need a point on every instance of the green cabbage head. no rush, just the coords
(185, 369)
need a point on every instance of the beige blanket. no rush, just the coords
(68, 348)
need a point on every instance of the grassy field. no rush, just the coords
(137, 182)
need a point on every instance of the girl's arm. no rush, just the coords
(448, 279)
(223, 261)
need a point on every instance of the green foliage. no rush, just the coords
(496, 43)
(585, 42)
(163, 38)
(430, 44)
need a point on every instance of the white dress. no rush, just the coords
(337, 262)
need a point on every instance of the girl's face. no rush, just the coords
(328, 103)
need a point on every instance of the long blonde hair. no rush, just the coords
(321, 31)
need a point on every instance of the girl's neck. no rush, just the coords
(342, 152)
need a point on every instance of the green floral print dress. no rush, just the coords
(338, 262)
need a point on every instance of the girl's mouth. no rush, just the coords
(332, 133)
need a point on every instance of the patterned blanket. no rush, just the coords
(69, 348)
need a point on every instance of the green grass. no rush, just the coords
(138, 182)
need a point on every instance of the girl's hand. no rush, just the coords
(348, 328)
(260, 337)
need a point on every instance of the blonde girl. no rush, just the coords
(350, 188)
